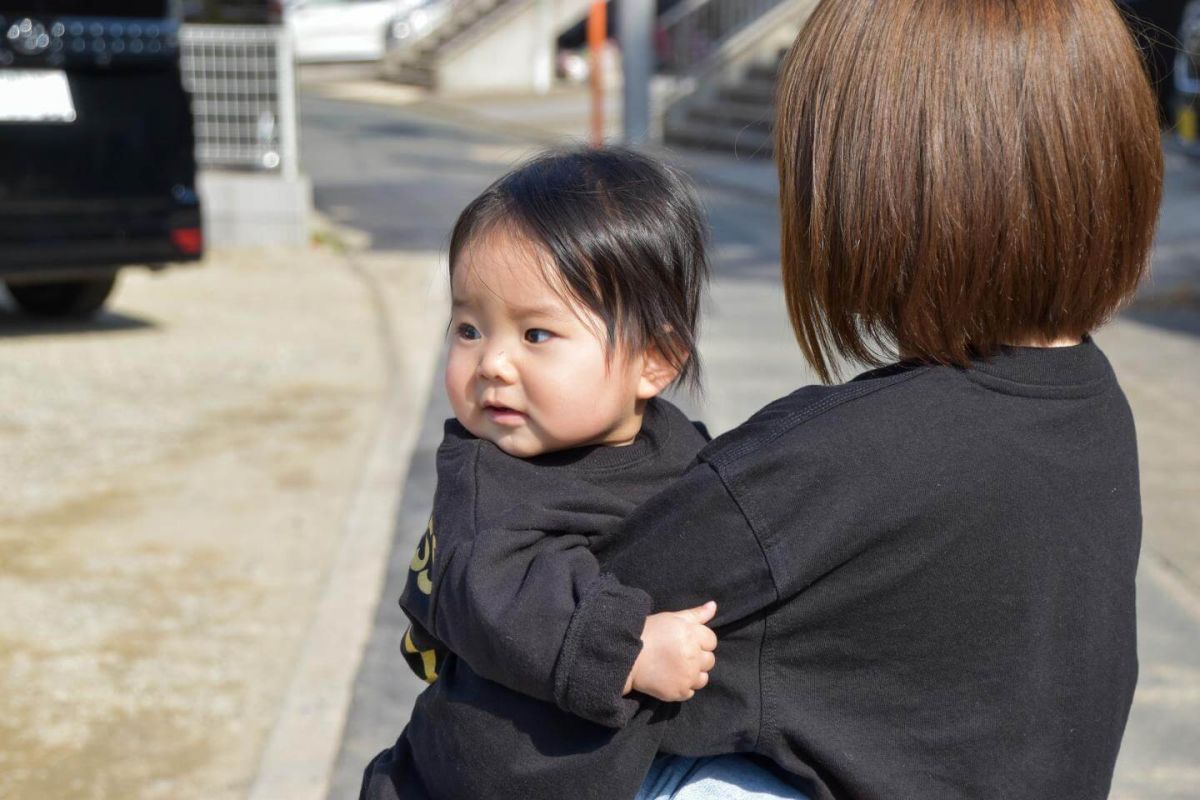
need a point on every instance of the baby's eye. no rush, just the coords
(537, 336)
(467, 331)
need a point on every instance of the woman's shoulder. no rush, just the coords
(811, 411)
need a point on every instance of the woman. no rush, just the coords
(925, 576)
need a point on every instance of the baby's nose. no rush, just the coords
(496, 365)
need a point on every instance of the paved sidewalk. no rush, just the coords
(1155, 349)
(179, 478)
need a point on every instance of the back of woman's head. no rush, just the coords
(956, 175)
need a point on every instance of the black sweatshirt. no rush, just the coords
(535, 637)
(925, 579)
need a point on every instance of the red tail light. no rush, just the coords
(187, 240)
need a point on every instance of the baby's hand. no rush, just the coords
(677, 653)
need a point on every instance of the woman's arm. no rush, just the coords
(686, 545)
(691, 543)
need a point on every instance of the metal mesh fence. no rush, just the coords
(242, 83)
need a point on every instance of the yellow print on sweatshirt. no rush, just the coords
(428, 659)
(421, 651)
(422, 561)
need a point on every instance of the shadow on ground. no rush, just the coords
(1185, 320)
(14, 323)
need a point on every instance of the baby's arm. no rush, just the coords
(522, 605)
(507, 603)
(504, 601)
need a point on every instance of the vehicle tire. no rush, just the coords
(75, 298)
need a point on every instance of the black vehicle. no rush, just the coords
(97, 169)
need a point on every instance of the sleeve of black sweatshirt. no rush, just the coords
(515, 604)
(686, 545)
(503, 574)
(691, 543)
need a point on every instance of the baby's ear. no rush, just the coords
(657, 374)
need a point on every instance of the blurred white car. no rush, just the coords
(342, 30)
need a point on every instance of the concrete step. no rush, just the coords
(453, 29)
(743, 115)
(744, 141)
(417, 55)
(464, 21)
(749, 92)
(412, 73)
(738, 117)
(767, 73)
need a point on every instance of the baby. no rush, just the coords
(576, 282)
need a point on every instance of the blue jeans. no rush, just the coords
(728, 777)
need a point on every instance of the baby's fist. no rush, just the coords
(677, 654)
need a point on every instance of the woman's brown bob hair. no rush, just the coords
(956, 175)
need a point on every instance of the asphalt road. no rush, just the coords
(402, 176)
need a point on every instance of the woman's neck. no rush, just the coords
(1069, 341)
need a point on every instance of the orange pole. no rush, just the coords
(597, 30)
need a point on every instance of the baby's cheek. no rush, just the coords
(455, 385)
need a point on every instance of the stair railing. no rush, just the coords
(454, 18)
(694, 30)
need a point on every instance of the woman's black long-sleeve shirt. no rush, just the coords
(925, 580)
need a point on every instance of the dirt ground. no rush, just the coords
(175, 482)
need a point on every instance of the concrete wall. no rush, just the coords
(513, 53)
(246, 209)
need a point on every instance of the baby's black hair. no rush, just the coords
(626, 234)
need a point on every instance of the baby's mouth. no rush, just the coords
(503, 415)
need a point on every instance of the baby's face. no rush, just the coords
(529, 370)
